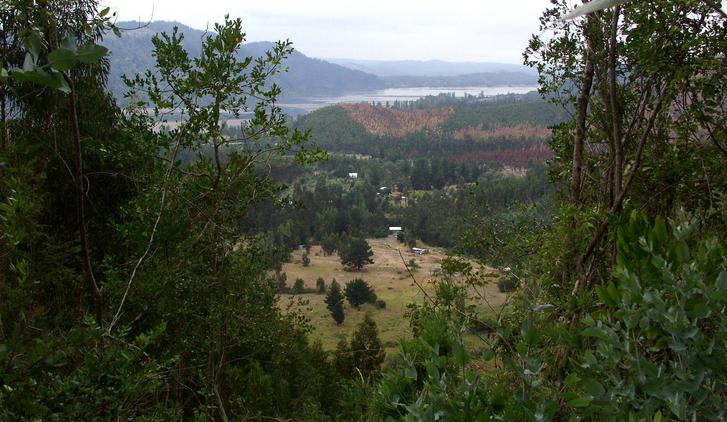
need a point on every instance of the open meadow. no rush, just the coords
(390, 279)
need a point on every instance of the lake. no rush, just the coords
(405, 94)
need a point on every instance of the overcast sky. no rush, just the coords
(452, 30)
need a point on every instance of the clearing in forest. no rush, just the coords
(387, 276)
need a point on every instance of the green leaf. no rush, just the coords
(581, 402)
(34, 45)
(36, 76)
(62, 59)
(594, 332)
(411, 372)
(104, 12)
(593, 387)
(660, 231)
(69, 42)
(572, 379)
(28, 63)
(91, 53)
(530, 334)
(460, 354)
(3, 74)
(432, 370)
(63, 85)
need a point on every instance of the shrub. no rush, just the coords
(305, 259)
(321, 285)
(299, 285)
(380, 304)
(659, 344)
(412, 264)
(359, 292)
(506, 285)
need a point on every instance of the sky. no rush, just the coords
(451, 30)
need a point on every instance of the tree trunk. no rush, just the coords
(80, 205)
(581, 114)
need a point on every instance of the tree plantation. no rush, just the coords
(550, 256)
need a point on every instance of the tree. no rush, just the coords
(299, 285)
(359, 292)
(357, 254)
(334, 302)
(329, 245)
(305, 259)
(366, 351)
(321, 285)
(636, 92)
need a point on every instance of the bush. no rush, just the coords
(329, 245)
(281, 282)
(506, 285)
(659, 345)
(321, 285)
(299, 285)
(380, 304)
(305, 259)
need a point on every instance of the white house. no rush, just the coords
(353, 175)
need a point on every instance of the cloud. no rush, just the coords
(459, 30)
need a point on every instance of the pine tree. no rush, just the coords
(358, 292)
(366, 351)
(334, 302)
(357, 254)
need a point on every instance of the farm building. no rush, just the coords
(418, 251)
(353, 175)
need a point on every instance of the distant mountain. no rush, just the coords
(472, 79)
(307, 77)
(383, 68)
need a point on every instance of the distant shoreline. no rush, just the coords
(404, 94)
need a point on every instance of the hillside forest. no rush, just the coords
(143, 257)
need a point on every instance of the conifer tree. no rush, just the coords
(334, 302)
(367, 353)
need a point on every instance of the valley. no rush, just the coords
(390, 279)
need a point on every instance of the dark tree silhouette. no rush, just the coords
(357, 254)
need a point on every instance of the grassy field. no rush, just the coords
(389, 278)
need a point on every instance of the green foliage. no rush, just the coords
(334, 302)
(188, 312)
(357, 254)
(329, 245)
(298, 286)
(659, 344)
(367, 353)
(358, 292)
(321, 285)
(506, 285)
(305, 259)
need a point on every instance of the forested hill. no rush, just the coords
(132, 53)
(510, 131)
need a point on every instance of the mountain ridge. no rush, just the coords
(307, 76)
